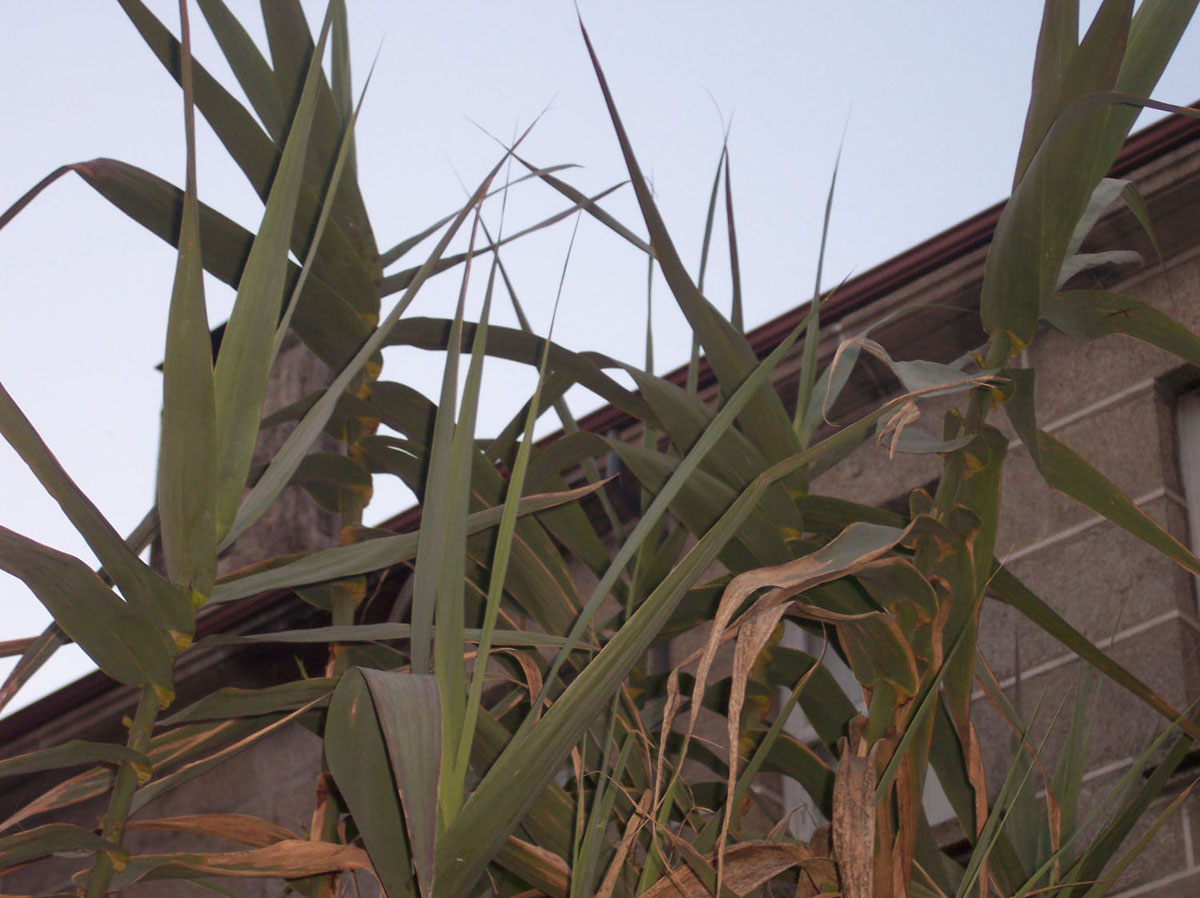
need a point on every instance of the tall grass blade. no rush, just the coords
(736, 314)
(187, 481)
(252, 71)
(154, 599)
(504, 534)
(242, 368)
(292, 453)
(357, 754)
(693, 371)
(409, 712)
(805, 422)
(439, 577)
(439, 565)
(728, 352)
(123, 644)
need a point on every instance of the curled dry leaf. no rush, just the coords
(636, 820)
(854, 817)
(236, 827)
(747, 866)
(289, 859)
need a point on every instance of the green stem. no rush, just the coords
(342, 615)
(122, 794)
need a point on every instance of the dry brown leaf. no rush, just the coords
(903, 416)
(636, 820)
(670, 709)
(747, 866)
(236, 827)
(555, 873)
(978, 782)
(290, 859)
(753, 636)
(854, 817)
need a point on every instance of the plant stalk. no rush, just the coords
(140, 730)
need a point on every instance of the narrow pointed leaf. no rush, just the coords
(187, 481)
(369, 633)
(1011, 591)
(124, 645)
(357, 755)
(49, 839)
(242, 368)
(1090, 314)
(1070, 474)
(350, 262)
(324, 319)
(804, 422)
(70, 754)
(371, 555)
(144, 589)
(234, 702)
(728, 351)
(252, 71)
(292, 453)
(409, 713)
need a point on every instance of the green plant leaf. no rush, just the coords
(252, 71)
(409, 712)
(357, 755)
(49, 839)
(1091, 314)
(153, 598)
(372, 555)
(232, 701)
(328, 324)
(1057, 41)
(242, 368)
(1011, 591)
(585, 368)
(123, 644)
(74, 753)
(727, 351)
(187, 483)
(290, 455)
(1071, 475)
(349, 257)
(804, 422)
(376, 633)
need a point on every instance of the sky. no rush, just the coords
(927, 100)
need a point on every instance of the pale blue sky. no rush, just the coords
(931, 94)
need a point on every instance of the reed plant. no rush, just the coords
(509, 727)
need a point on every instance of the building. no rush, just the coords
(1129, 408)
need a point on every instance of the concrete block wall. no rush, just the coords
(1114, 402)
